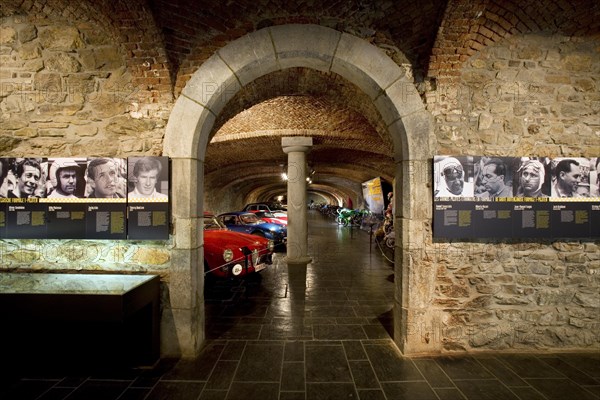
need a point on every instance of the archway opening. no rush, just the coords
(203, 104)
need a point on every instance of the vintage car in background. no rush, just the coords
(270, 217)
(247, 222)
(270, 206)
(229, 254)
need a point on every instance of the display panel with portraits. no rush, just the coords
(148, 198)
(22, 188)
(515, 196)
(84, 198)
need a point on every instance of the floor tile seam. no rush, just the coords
(429, 383)
(154, 387)
(49, 389)
(478, 361)
(281, 369)
(517, 396)
(234, 372)
(447, 376)
(589, 391)
(109, 380)
(510, 367)
(352, 374)
(574, 367)
(126, 389)
(185, 380)
(549, 378)
(404, 381)
(475, 379)
(305, 369)
(566, 360)
(221, 355)
(541, 359)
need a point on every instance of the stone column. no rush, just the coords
(296, 148)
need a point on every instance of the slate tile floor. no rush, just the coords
(320, 333)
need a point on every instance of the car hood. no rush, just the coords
(271, 226)
(230, 238)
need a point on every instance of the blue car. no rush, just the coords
(248, 222)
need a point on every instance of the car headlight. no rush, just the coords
(227, 255)
(271, 245)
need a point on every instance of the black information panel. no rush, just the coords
(531, 219)
(148, 221)
(66, 221)
(2, 219)
(148, 198)
(571, 219)
(105, 221)
(520, 197)
(595, 220)
(26, 219)
(468, 219)
(84, 198)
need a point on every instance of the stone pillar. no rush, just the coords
(296, 148)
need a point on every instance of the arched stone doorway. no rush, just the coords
(187, 136)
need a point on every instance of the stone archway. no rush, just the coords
(187, 136)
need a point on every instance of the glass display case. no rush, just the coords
(81, 317)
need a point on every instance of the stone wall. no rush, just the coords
(527, 95)
(65, 92)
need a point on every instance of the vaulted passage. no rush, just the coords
(382, 88)
(345, 293)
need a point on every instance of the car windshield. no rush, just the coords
(212, 223)
(276, 206)
(249, 219)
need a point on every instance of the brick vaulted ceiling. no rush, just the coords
(433, 37)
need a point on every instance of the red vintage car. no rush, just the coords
(230, 254)
(272, 218)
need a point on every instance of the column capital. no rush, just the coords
(296, 143)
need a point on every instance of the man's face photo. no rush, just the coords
(67, 180)
(105, 180)
(28, 181)
(492, 182)
(454, 177)
(530, 179)
(146, 182)
(571, 179)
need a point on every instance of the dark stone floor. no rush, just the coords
(319, 333)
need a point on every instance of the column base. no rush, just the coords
(298, 260)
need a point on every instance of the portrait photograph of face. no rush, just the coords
(494, 177)
(148, 178)
(105, 178)
(25, 178)
(595, 177)
(571, 177)
(532, 178)
(66, 177)
(453, 176)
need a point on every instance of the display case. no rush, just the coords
(75, 318)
